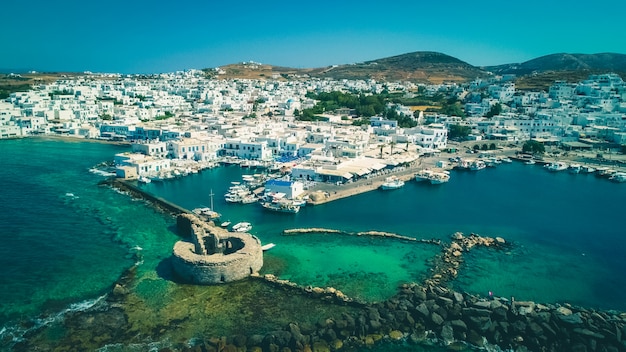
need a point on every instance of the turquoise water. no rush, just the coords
(67, 240)
(567, 231)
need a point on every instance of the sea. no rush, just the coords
(66, 240)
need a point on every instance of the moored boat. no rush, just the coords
(618, 177)
(242, 227)
(556, 166)
(282, 207)
(392, 182)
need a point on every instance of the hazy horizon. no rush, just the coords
(159, 36)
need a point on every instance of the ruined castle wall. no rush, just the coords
(216, 268)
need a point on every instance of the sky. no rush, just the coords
(139, 36)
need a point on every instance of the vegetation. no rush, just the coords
(364, 106)
(7, 89)
(106, 117)
(452, 107)
(459, 131)
(492, 146)
(494, 111)
(249, 116)
(623, 149)
(533, 147)
(165, 116)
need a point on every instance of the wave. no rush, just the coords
(147, 346)
(102, 172)
(14, 334)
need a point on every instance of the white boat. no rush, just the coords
(225, 224)
(586, 169)
(574, 168)
(206, 213)
(281, 206)
(438, 178)
(144, 179)
(556, 166)
(423, 175)
(530, 162)
(392, 182)
(242, 227)
(618, 177)
(506, 160)
(268, 246)
(477, 165)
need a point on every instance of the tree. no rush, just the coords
(496, 109)
(533, 147)
(623, 148)
(492, 146)
(476, 147)
(484, 147)
(296, 112)
(459, 131)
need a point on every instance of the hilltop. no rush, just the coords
(422, 67)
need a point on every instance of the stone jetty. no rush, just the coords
(317, 230)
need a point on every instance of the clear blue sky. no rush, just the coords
(138, 36)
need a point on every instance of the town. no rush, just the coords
(182, 122)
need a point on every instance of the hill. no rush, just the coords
(564, 62)
(423, 67)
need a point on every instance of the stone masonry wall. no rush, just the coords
(216, 268)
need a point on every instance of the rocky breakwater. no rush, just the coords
(318, 230)
(214, 255)
(438, 315)
(445, 266)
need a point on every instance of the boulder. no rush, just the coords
(422, 310)
(458, 325)
(458, 297)
(396, 335)
(572, 319)
(321, 346)
(436, 318)
(475, 312)
(475, 338)
(589, 333)
(447, 333)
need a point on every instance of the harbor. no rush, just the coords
(561, 268)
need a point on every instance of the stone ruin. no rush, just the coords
(214, 255)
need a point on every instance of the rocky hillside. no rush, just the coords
(423, 66)
(565, 62)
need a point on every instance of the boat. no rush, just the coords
(423, 175)
(242, 227)
(618, 177)
(392, 182)
(281, 206)
(438, 178)
(206, 213)
(506, 160)
(556, 166)
(574, 168)
(225, 224)
(268, 246)
(605, 172)
(477, 165)
(586, 169)
(144, 179)
(530, 162)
